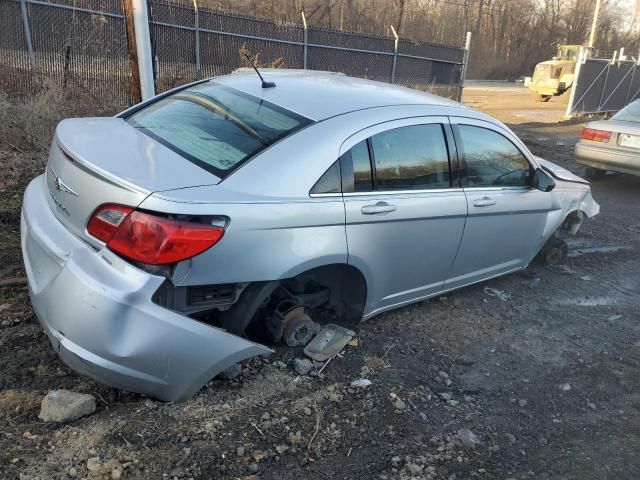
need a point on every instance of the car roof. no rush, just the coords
(319, 95)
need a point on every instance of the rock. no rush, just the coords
(265, 416)
(591, 405)
(65, 406)
(443, 374)
(280, 449)
(116, 473)
(93, 464)
(522, 402)
(232, 372)
(399, 404)
(511, 438)
(336, 397)
(414, 469)
(279, 364)
(302, 366)
(423, 416)
(468, 438)
(565, 387)
(241, 451)
(446, 395)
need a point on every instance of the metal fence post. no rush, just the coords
(395, 54)
(196, 25)
(582, 54)
(465, 61)
(27, 32)
(606, 77)
(304, 51)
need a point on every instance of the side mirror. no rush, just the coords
(543, 181)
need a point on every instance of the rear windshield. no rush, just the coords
(630, 113)
(215, 126)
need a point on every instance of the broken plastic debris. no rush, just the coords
(361, 383)
(328, 343)
(499, 294)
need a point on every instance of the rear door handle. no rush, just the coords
(378, 208)
(484, 202)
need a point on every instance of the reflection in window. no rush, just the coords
(413, 157)
(361, 167)
(491, 159)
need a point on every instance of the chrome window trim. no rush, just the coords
(497, 189)
(321, 195)
(401, 192)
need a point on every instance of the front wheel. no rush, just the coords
(594, 173)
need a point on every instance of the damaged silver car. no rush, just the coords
(159, 241)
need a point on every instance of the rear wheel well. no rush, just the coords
(333, 293)
(346, 284)
(330, 293)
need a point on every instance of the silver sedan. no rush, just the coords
(159, 241)
(611, 145)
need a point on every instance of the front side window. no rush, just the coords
(214, 126)
(491, 159)
(411, 158)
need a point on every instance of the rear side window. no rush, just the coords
(215, 126)
(329, 182)
(411, 158)
(491, 159)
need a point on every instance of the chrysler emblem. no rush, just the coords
(60, 185)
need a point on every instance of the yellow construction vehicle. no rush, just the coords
(555, 76)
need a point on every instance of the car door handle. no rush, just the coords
(484, 202)
(378, 208)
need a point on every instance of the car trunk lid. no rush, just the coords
(93, 161)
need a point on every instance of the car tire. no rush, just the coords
(594, 173)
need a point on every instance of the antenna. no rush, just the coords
(264, 84)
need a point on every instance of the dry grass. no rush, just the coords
(26, 129)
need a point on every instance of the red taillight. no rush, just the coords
(148, 238)
(595, 135)
(106, 219)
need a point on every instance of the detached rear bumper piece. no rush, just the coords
(97, 311)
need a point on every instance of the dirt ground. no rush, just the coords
(546, 380)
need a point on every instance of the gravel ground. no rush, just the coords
(542, 385)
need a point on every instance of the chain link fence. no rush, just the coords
(81, 45)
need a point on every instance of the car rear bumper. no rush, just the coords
(605, 158)
(97, 311)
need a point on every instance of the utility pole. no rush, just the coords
(136, 94)
(594, 25)
(136, 21)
